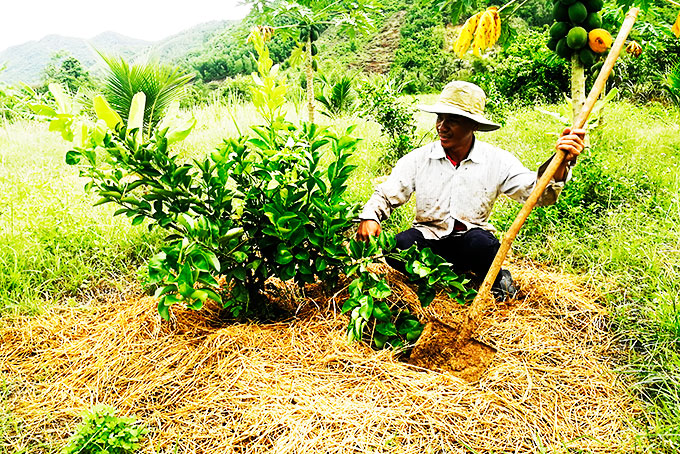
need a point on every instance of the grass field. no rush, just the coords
(616, 227)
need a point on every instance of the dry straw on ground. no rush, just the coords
(297, 387)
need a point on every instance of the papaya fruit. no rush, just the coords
(587, 57)
(562, 49)
(597, 67)
(567, 2)
(599, 40)
(304, 34)
(577, 37)
(552, 44)
(594, 20)
(593, 6)
(314, 49)
(577, 13)
(559, 30)
(560, 12)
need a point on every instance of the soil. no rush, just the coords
(440, 349)
(379, 54)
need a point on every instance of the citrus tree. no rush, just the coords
(261, 205)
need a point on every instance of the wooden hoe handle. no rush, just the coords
(475, 311)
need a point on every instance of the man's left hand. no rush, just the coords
(572, 143)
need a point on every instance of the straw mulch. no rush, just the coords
(203, 386)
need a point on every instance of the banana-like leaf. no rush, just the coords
(64, 105)
(106, 113)
(136, 115)
(179, 132)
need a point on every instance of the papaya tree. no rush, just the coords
(577, 34)
(306, 20)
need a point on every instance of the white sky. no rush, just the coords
(30, 20)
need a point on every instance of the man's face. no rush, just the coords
(454, 129)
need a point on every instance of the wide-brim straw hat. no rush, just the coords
(464, 99)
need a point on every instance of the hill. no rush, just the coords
(26, 62)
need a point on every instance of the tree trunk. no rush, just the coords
(578, 86)
(310, 81)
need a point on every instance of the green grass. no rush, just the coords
(617, 225)
(52, 240)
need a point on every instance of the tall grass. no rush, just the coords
(52, 240)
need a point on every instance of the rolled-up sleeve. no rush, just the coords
(520, 181)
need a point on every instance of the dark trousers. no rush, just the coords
(471, 251)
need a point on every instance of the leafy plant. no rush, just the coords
(379, 98)
(337, 98)
(256, 207)
(307, 19)
(101, 431)
(15, 101)
(161, 85)
(367, 303)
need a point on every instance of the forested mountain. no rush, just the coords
(26, 62)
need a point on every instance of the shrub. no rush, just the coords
(101, 431)
(391, 324)
(379, 100)
(525, 73)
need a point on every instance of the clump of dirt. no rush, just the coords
(203, 386)
(439, 348)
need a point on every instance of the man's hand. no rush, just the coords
(367, 229)
(572, 143)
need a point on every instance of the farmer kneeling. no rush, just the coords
(456, 180)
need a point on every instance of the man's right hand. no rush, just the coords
(367, 229)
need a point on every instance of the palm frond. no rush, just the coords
(672, 83)
(160, 83)
(341, 99)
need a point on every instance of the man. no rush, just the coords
(456, 180)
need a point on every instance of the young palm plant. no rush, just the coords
(672, 83)
(160, 84)
(339, 99)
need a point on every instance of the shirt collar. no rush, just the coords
(475, 155)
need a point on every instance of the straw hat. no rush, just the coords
(464, 99)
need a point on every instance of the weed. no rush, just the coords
(102, 431)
